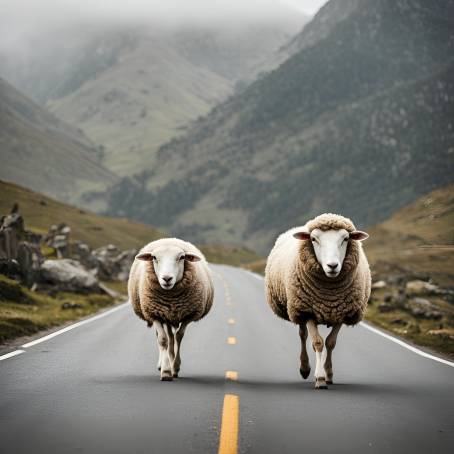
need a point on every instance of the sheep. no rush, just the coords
(170, 285)
(318, 274)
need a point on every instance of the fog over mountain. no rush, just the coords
(134, 75)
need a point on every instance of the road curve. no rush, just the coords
(95, 389)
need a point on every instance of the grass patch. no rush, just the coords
(437, 335)
(23, 312)
(229, 255)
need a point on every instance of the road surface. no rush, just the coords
(95, 388)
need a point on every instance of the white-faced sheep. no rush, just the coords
(169, 286)
(319, 274)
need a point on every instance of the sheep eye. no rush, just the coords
(153, 257)
(181, 258)
(346, 239)
(313, 239)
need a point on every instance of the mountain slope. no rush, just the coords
(358, 123)
(43, 153)
(40, 212)
(131, 89)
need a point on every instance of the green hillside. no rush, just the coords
(43, 153)
(40, 212)
(357, 122)
(131, 88)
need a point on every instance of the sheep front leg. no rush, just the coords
(317, 344)
(163, 344)
(330, 343)
(305, 367)
(179, 333)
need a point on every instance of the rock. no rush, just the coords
(385, 307)
(423, 308)
(58, 238)
(30, 258)
(113, 264)
(378, 285)
(70, 305)
(399, 321)
(418, 287)
(388, 298)
(426, 313)
(68, 275)
(421, 302)
(443, 333)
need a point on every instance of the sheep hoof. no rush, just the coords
(329, 382)
(305, 373)
(175, 375)
(320, 383)
(166, 376)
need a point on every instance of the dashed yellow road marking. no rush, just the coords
(231, 340)
(231, 321)
(228, 441)
(231, 375)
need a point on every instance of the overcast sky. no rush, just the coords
(32, 11)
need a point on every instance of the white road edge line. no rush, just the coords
(11, 354)
(75, 325)
(407, 346)
(389, 337)
(257, 276)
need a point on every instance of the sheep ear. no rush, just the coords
(303, 235)
(146, 256)
(192, 258)
(358, 235)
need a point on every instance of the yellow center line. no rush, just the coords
(231, 375)
(231, 340)
(228, 441)
(231, 321)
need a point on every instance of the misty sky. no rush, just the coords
(25, 13)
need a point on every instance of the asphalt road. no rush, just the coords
(95, 389)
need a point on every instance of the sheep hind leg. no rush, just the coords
(179, 333)
(305, 367)
(330, 343)
(163, 343)
(171, 346)
(160, 354)
(317, 344)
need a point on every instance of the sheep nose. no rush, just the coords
(332, 265)
(167, 279)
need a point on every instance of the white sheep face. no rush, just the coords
(168, 264)
(330, 247)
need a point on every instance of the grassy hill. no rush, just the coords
(418, 239)
(358, 122)
(43, 153)
(40, 212)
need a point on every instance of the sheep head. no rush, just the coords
(333, 238)
(168, 264)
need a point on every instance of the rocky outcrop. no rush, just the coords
(67, 275)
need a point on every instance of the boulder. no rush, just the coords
(422, 308)
(419, 287)
(378, 285)
(67, 275)
(385, 307)
(113, 264)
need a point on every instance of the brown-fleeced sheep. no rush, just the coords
(169, 286)
(318, 274)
